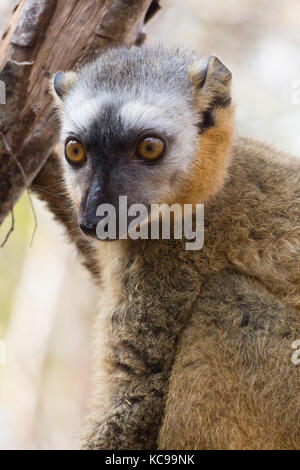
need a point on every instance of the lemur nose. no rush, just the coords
(90, 231)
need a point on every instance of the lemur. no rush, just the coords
(194, 347)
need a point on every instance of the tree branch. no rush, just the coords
(42, 37)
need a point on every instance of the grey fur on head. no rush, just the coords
(127, 93)
(193, 347)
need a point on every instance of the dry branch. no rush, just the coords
(42, 37)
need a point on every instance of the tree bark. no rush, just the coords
(42, 37)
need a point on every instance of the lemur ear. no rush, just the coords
(214, 78)
(62, 83)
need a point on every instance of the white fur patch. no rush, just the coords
(166, 115)
(165, 119)
(79, 111)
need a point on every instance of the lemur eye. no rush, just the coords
(75, 152)
(150, 148)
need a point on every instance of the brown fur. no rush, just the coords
(194, 347)
(227, 314)
(209, 169)
(213, 97)
(233, 369)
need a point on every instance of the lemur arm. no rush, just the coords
(138, 346)
(134, 417)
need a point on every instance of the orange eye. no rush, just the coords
(75, 152)
(150, 148)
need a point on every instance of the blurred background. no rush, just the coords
(47, 300)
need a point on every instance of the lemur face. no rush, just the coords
(131, 125)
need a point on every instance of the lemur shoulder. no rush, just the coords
(193, 347)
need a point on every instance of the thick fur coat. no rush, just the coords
(193, 348)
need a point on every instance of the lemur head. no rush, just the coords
(149, 123)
